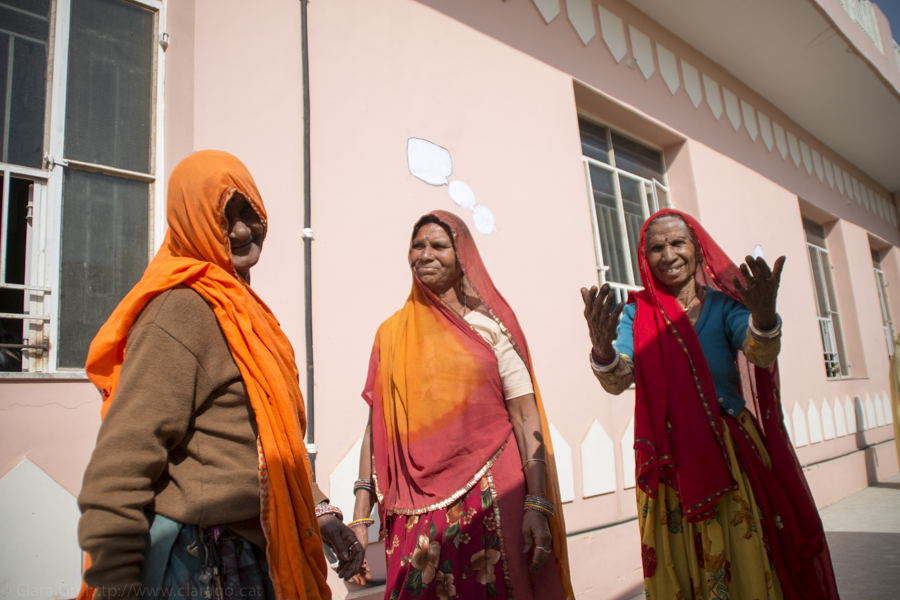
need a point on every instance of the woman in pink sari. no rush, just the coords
(456, 451)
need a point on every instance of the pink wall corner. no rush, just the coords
(247, 91)
(52, 423)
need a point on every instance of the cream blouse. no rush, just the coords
(514, 375)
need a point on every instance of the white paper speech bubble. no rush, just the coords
(758, 252)
(429, 162)
(484, 220)
(462, 194)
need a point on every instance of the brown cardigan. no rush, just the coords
(179, 440)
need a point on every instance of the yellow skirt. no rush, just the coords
(721, 558)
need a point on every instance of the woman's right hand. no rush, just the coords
(602, 319)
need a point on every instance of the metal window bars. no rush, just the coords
(653, 196)
(35, 342)
(829, 346)
(886, 316)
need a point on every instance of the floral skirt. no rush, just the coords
(472, 549)
(725, 557)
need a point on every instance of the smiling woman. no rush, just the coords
(246, 233)
(723, 504)
(455, 451)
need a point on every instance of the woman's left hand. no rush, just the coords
(760, 290)
(536, 530)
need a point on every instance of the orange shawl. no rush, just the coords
(197, 253)
(435, 384)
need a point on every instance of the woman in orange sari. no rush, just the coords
(455, 451)
(200, 485)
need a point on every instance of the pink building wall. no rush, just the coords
(501, 90)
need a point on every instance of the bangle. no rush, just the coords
(766, 334)
(364, 484)
(366, 522)
(600, 368)
(539, 503)
(323, 508)
(540, 460)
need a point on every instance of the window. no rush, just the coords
(836, 365)
(886, 317)
(79, 81)
(627, 184)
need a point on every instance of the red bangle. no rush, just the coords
(602, 361)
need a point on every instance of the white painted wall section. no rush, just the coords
(582, 19)
(39, 524)
(613, 31)
(780, 140)
(548, 9)
(795, 148)
(642, 51)
(732, 108)
(749, 119)
(851, 414)
(692, 82)
(713, 99)
(562, 452)
(827, 420)
(815, 423)
(598, 462)
(765, 130)
(801, 437)
(668, 68)
(840, 418)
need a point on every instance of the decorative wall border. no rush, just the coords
(739, 112)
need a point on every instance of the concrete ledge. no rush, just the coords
(835, 479)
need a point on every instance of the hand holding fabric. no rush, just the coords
(760, 290)
(602, 318)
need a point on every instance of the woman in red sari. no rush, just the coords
(456, 451)
(723, 507)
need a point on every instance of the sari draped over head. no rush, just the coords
(196, 253)
(679, 437)
(439, 415)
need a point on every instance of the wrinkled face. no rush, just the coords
(671, 252)
(433, 258)
(245, 232)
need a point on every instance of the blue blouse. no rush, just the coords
(722, 329)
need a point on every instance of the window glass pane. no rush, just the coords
(593, 141)
(815, 234)
(829, 282)
(844, 368)
(25, 26)
(109, 93)
(105, 233)
(632, 202)
(12, 301)
(876, 258)
(818, 282)
(662, 198)
(611, 239)
(635, 158)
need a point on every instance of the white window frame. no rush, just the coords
(43, 256)
(833, 350)
(886, 316)
(650, 203)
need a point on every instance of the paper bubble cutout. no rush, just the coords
(484, 220)
(758, 252)
(429, 162)
(462, 194)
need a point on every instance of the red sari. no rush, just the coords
(450, 484)
(680, 437)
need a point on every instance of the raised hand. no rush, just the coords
(760, 290)
(602, 319)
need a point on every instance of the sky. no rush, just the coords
(891, 9)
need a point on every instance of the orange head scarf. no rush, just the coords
(197, 253)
